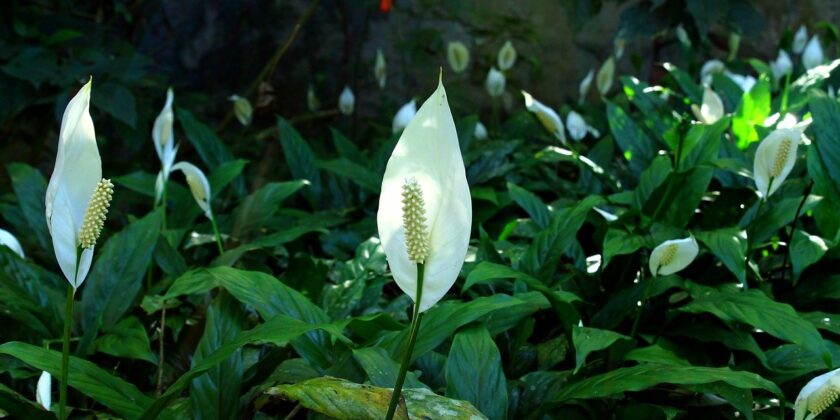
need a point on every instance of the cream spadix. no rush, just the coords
(672, 256)
(77, 196)
(817, 396)
(199, 186)
(546, 116)
(712, 108)
(9, 240)
(425, 177)
(774, 159)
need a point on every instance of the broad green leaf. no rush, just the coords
(753, 110)
(111, 391)
(701, 145)
(346, 148)
(826, 114)
(126, 339)
(209, 146)
(257, 208)
(231, 256)
(825, 213)
(382, 370)
(754, 308)
(630, 137)
(806, 250)
(779, 213)
(116, 100)
(29, 291)
(620, 242)
(651, 178)
(342, 399)
(656, 353)
(692, 90)
(356, 172)
(224, 174)
(588, 340)
(733, 338)
(474, 372)
(625, 301)
(730, 246)
(300, 158)
(30, 189)
(114, 283)
(531, 203)
(215, 394)
(17, 406)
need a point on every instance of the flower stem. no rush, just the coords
(65, 352)
(644, 300)
(218, 235)
(160, 349)
(412, 339)
(793, 230)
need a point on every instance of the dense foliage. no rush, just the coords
(555, 314)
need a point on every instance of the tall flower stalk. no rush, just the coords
(425, 215)
(76, 204)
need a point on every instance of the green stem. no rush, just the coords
(793, 230)
(784, 103)
(218, 235)
(644, 301)
(412, 339)
(163, 205)
(65, 351)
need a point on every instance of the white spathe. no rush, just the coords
(507, 56)
(242, 109)
(813, 55)
(199, 186)
(782, 65)
(428, 152)
(799, 39)
(164, 139)
(585, 83)
(458, 55)
(712, 108)
(746, 83)
(682, 35)
(709, 69)
(576, 125)
(346, 101)
(672, 256)
(480, 132)
(547, 117)
(495, 82)
(9, 240)
(78, 170)
(774, 159)
(379, 69)
(43, 391)
(606, 73)
(404, 116)
(817, 396)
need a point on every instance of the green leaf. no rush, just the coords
(588, 340)
(692, 90)
(753, 110)
(356, 172)
(116, 100)
(300, 158)
(730, 246)
(641, 377)
(531, 204)
(779, 213)
(806, 250)
(278, 331)
(347, 149)
(17, 406)
(630, 137)
(257, 208)
(30, 188)
(754, 308)
(382, 370)
(31, 295)
(231, 256)
(342, 399)
(701, 145)
(651, 178)
(127, 339)
(224, 174)
(114, 283)
(215, 394)
(474, 372)
(210, 147)
(86, 377)
(620, 242)
(826, 113)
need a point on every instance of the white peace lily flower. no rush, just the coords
(404, 116)
(379, 69)
(782, 65)
(547, 117)
(712, 108)
(242, 109)
(312, 101)
(495, 82)
(605, 76)
(817, 396)
(682, 35)
(709, 69)
(199, 186)
(673, 256)
(799, 39)
(11, 242)
(458, 55)
(774, 159)
(576, 125)
(43, 394)
(480, 132)
(507, 56)
(583, 89)
(813, 55)
(346, 101)
(163, 137)
(425, 211)
(746, 83)
(77, 197)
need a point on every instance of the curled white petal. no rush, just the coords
(576, 125)
(817, 396)
(346, 101)
(711, 110)
(199, 186)
(774, 159)
(813, 55)
(746, 83)
(672, 256)
(799, 39)
(606, 73)
(507, 56)
(782, 65)
(585, 83)
(546, 116)
(11, 242)
(43, 394)
(379, 69)
(78, 170)
(480, 132)
(709, 69)
(495, 82)
(458, 55)
(162, 134)
(404, 116)
(428, 152)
